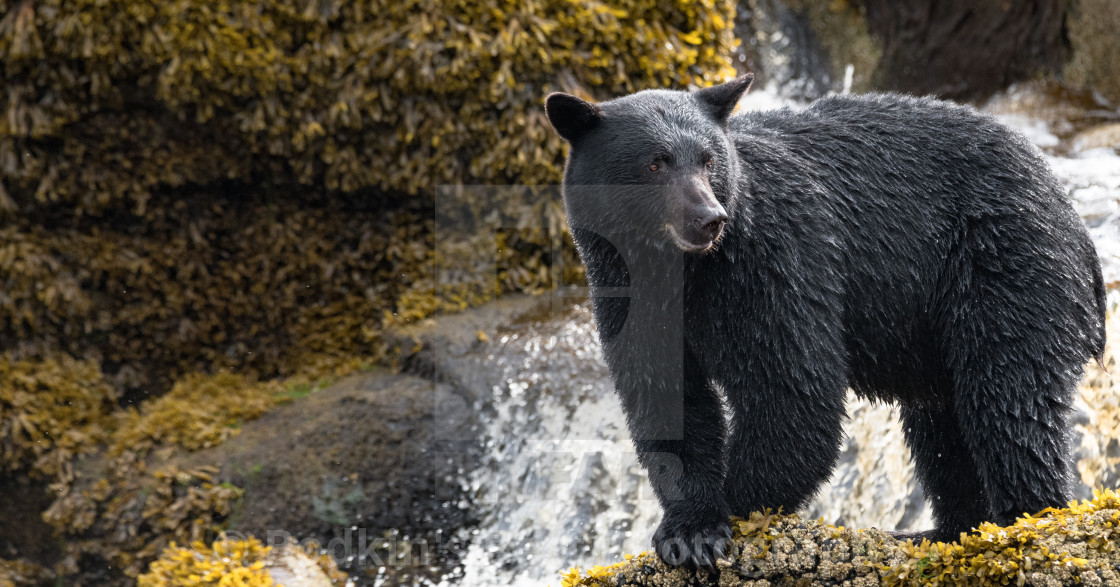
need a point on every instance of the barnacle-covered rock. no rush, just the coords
(1058, 546)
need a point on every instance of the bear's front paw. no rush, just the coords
(693, 541)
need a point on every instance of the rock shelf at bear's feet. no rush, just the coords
(1067, 546)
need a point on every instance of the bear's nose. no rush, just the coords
(711, 223)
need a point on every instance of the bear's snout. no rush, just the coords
(711, 224)
(699, 217)
(701, 227)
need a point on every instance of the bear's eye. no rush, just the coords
(654, 167)
(710, 163)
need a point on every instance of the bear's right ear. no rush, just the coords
(720, 100)
(571, 116)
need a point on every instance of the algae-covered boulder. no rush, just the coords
(186, 186)
(107, 103)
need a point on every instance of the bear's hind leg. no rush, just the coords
(1013, 415)
(1014, 369)
(1020, 323)
(945, 470)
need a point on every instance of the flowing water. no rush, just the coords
(559, 485)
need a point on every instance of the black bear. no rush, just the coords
(753, 267)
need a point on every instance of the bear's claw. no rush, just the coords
(692, 544)
(933, 535)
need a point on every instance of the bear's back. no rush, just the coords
(914, 193)
(905, 146)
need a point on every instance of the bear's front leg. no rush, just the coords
(781, 453)
(787, 411)
(677, 425)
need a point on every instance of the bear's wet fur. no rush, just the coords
(760, 264)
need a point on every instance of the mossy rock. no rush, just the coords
(123, 506)
(373, 449)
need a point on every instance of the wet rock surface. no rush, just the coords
(931, 46)
(364, 468)
(1092, 27)
(557, 479)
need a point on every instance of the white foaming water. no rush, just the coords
(560, 486)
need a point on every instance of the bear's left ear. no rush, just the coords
(720, 100)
